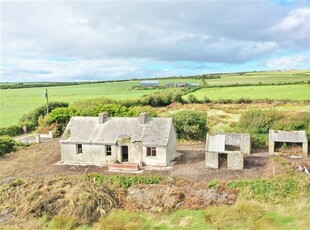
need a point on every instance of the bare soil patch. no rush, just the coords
(40, 160)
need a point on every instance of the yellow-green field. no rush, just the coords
(16, 102)
(281, 92)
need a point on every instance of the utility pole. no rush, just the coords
(46, 96)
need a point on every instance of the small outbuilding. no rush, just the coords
(277, 136)
(102, 140)
(227, 147)
(149, 83)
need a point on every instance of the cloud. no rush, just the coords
(290, 62)
(47, 70)
(114, 39)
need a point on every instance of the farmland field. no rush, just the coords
(292, 92)
(16, 102)
(261, 77)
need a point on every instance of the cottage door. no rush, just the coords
(124, 150)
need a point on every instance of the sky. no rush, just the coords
(108, 40)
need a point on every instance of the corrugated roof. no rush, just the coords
(88, 130)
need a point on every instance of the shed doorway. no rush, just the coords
(124, 152)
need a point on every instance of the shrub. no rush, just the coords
(11, 131)
(300, 121)
(8, 144)
(190, 125)
(86, 107)
(62, 115)
(206, 100)
(163, 98)
(114, 110)
(31, 119)
(135, 111)
(192, 98)
(258, 121)
(259, 140)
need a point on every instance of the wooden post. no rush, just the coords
(46, 96)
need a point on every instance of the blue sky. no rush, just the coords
(107, 40)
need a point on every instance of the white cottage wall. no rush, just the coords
(159, 160)
(171, 147)
(91, 154)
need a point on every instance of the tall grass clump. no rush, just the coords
(279, 189)
(259, 122)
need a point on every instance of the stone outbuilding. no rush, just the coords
(102, 140)
(232, 145)
(288, 137)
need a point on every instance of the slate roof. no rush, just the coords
(88, 130)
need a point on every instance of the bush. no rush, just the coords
(190, 125)
(300, 121)
(31, 119)
(259, 140)
(192, 98)
(11, 131)
(135, 111)
(206, 100)
(86, 107)
(8, 144)
(62, 115)
(114, 110)
(163, 98)
(258, 121)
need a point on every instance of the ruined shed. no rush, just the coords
(103, 140)
(276, 136)
(232, 145)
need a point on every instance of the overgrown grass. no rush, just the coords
(290, 92)
(279, 189)
(123, 181)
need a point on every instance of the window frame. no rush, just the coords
(151, 152)
(108, 153)
(79, 149)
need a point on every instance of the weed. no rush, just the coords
(275, 190)
(213, 183)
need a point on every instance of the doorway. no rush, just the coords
(124, 152)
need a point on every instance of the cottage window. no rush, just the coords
(108, 150)
(79, 149)
(151, 152)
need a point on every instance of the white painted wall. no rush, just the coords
(91, 154)
(95, 154)
(171, 148)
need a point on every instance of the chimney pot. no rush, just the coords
(102, 117)
(143, 118)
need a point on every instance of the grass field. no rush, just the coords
(292, 92)
(263, 77)
(16, 102)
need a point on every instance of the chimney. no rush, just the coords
(143, 118)
(102, 117)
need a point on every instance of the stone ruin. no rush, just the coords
(231, 145)
(288, 137)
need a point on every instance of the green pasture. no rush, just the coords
(292, 92)
(261, 77)
(16, 102)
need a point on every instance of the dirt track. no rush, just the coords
(40, 160)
